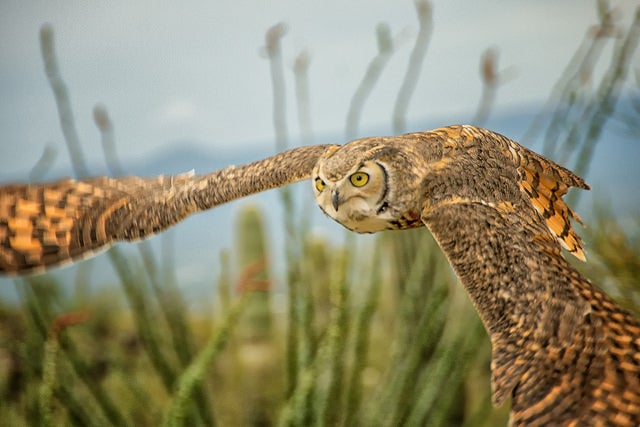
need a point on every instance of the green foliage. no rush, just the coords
(388, 339)
(615, 262)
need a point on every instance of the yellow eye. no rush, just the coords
(359, 179)
(320, 185)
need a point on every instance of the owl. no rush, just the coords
(562, 350)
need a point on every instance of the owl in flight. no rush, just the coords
(562, 350)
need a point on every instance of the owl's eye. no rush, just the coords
(359, 179)
(320, 185)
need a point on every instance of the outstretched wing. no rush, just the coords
(44, 225)
(563, 351)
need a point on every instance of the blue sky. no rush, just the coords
(192, 70)
(171, 72)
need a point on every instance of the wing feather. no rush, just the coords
(45, 225)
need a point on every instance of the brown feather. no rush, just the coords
(45, 225)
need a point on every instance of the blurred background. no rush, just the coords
(294, 315)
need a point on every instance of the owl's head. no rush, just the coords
(356, 183)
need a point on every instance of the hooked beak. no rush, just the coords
(335, 199)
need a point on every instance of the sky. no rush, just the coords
(195, 70)
(194, 73)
